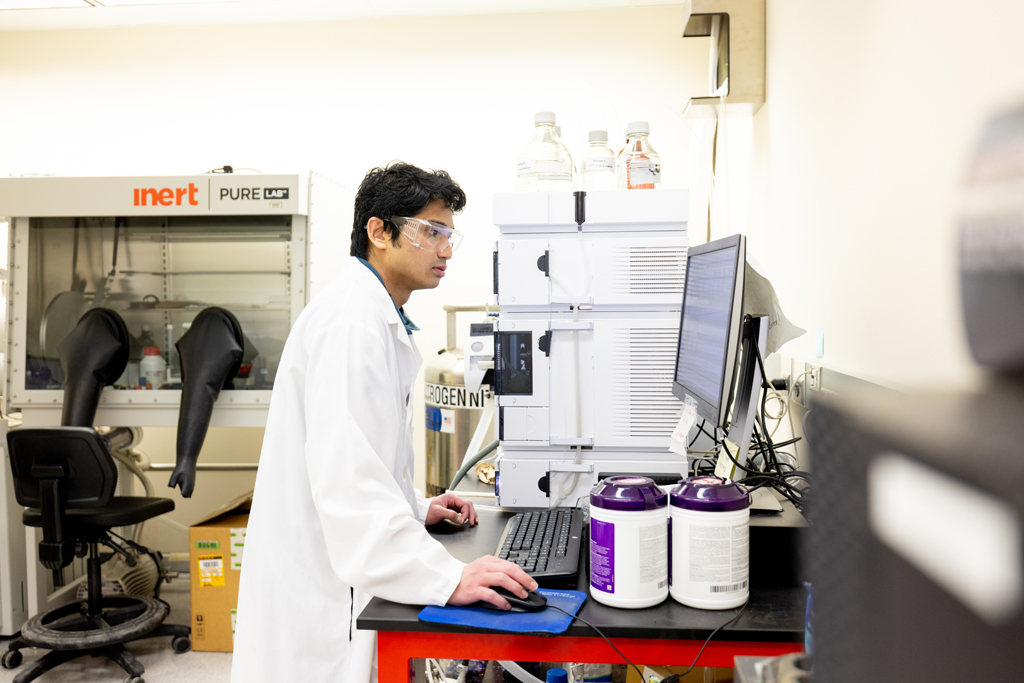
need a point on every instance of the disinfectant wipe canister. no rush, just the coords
(628, 542)
(709, 531)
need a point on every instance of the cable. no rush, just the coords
(668, 679)
(776, 481)
(640, 673)
(767, 464)
(674, 678)
(767, 448)
(229, 169)
(790, 442)
(713, 438)
(789, 398)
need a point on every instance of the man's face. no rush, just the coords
(414, 268)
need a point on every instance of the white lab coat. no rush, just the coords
(335, 519)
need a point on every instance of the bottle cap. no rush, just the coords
(544, 117)
(151, 351)
(628, 492)
(557, 676)
(597, 136)
(710, 494)
(637, 127)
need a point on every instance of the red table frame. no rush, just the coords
(396, 648)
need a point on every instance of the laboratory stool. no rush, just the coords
(66, 477)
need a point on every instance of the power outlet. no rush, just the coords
(796, 381)
(814, 378)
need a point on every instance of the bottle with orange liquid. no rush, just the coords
(639, 166)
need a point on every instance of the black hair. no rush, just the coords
(399, 189)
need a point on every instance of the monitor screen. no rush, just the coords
(705, 325)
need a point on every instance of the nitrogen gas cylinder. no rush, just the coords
(452, 412)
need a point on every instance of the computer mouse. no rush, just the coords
(531, 603)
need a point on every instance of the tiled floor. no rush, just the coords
(155, 654)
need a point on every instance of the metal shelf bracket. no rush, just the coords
(737, 66)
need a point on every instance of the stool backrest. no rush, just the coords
(76, 456)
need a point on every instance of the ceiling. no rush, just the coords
(46, 15)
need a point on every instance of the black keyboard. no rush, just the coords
(546, 544)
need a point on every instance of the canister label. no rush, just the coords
(602, 555)
(670, 550)
(448, 396)
(653, 558)
(719, 557)
(433, 418)
(440, 420)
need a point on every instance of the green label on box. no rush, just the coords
(207, 545)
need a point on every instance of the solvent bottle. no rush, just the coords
(598, 164)
(544, 165)
(639, 166)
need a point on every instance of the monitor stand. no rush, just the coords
(764, 501)
(747, 389)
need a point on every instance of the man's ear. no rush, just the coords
(377, 234)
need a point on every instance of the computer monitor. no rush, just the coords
(716, 365)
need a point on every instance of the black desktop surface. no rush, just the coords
(773, 614)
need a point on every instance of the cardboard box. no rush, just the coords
(216, 545)
(656, 673)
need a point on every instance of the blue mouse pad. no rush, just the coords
(543, 621)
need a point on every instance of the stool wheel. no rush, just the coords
(134, 679)
(181, 644)
(11, 659)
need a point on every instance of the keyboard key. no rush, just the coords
(534, 539)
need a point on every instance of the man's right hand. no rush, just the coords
(480, 575)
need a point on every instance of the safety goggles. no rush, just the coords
(427, 235)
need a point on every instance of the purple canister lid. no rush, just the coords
(628, 493)
(710, 494)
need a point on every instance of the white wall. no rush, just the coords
(456, 93)
(848, 180)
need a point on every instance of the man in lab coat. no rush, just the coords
(335, 519)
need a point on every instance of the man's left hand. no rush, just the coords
(451, 507)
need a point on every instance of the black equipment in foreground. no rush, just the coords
(546, 544)
(915, 549)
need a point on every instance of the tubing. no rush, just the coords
(122, 438)
(481, 426)
(469, 462)
(562, 490)
(519, 672)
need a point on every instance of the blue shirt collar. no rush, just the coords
(410, 326)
